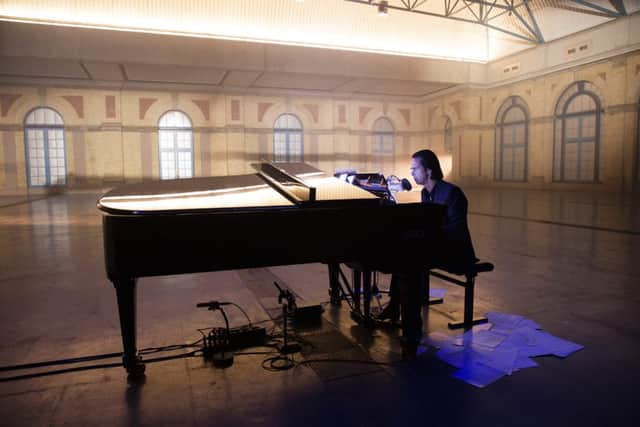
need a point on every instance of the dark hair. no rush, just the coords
(429, 161)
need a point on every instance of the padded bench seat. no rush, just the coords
(469, 286)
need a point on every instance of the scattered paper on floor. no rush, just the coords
(501, 347)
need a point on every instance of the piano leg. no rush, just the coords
(356, 276)
(334, 283)
(411, 287)
(126, 293)
(366, 293)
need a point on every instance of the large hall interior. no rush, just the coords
(139, 140)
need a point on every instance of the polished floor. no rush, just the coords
(569, 261)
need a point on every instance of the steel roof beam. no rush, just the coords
(536, 28)
(528, 38)
(608, 12)
(619, 5)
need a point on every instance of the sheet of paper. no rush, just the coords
(557, 346)
(489, 351)
(515, 340)
(523, 362)
(436, 339)
(478, 375)
(437, 293)
(504, 320)
(500, 360)
(482, 337)
(461, 357)
(528, 323)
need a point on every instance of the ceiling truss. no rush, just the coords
(516, 18)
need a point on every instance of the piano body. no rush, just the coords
(287, 213)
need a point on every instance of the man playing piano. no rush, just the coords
(456, 256)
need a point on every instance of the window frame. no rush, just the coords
(288, 132)
(560, 119)
(510, 103)
(174, 131)
(46, 128)
(448, 136)
(378, 143)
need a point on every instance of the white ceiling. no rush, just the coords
(337, 24)
(264, 45)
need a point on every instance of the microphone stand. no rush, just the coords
(288, 301)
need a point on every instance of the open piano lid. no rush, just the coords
(275, 186)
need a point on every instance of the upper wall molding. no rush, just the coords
(43, 55)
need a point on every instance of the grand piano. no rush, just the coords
(285, 213)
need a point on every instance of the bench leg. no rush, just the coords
(468, 321)
(427, 287)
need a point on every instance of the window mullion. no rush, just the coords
(45, 145)
(176, 153)
(513, 153)
(287, 146)
(579, 155)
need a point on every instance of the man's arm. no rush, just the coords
(456, 210)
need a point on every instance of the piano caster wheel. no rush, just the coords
(356, 316)
(135, 368)
(360, 319)
(334, 298)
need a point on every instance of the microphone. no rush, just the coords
(212, 305)
(406, 185)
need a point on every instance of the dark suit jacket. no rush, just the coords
(458, 254)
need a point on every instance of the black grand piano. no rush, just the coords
(285, 213)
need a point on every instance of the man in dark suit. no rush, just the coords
(456, 254)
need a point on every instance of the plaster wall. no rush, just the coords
(111, 136)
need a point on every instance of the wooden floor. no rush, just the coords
(569, 261)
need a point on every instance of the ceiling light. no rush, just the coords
(382, 8)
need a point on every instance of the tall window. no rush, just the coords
(576, 146)
(382, 149)
(287, 139)
(44, 145)
(448, 136)
(176, 145)
(512, 125)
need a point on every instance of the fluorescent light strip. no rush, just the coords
(200, 193)
(188, 194)
(232, 38)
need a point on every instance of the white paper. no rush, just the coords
(478, 375)
(528, 323)
(501, 360)
(489, 351)
(482, 337)
(436, 339)
(556, 346)
(437, 293)
(460, 357)
(504, 320)
(523, 362)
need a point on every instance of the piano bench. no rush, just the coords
(469, 286)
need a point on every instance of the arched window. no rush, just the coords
(382, 149)
(576, 145)
(287, 139)
(44, 145)
(448, 136)
(512, 140)
(175, 137)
